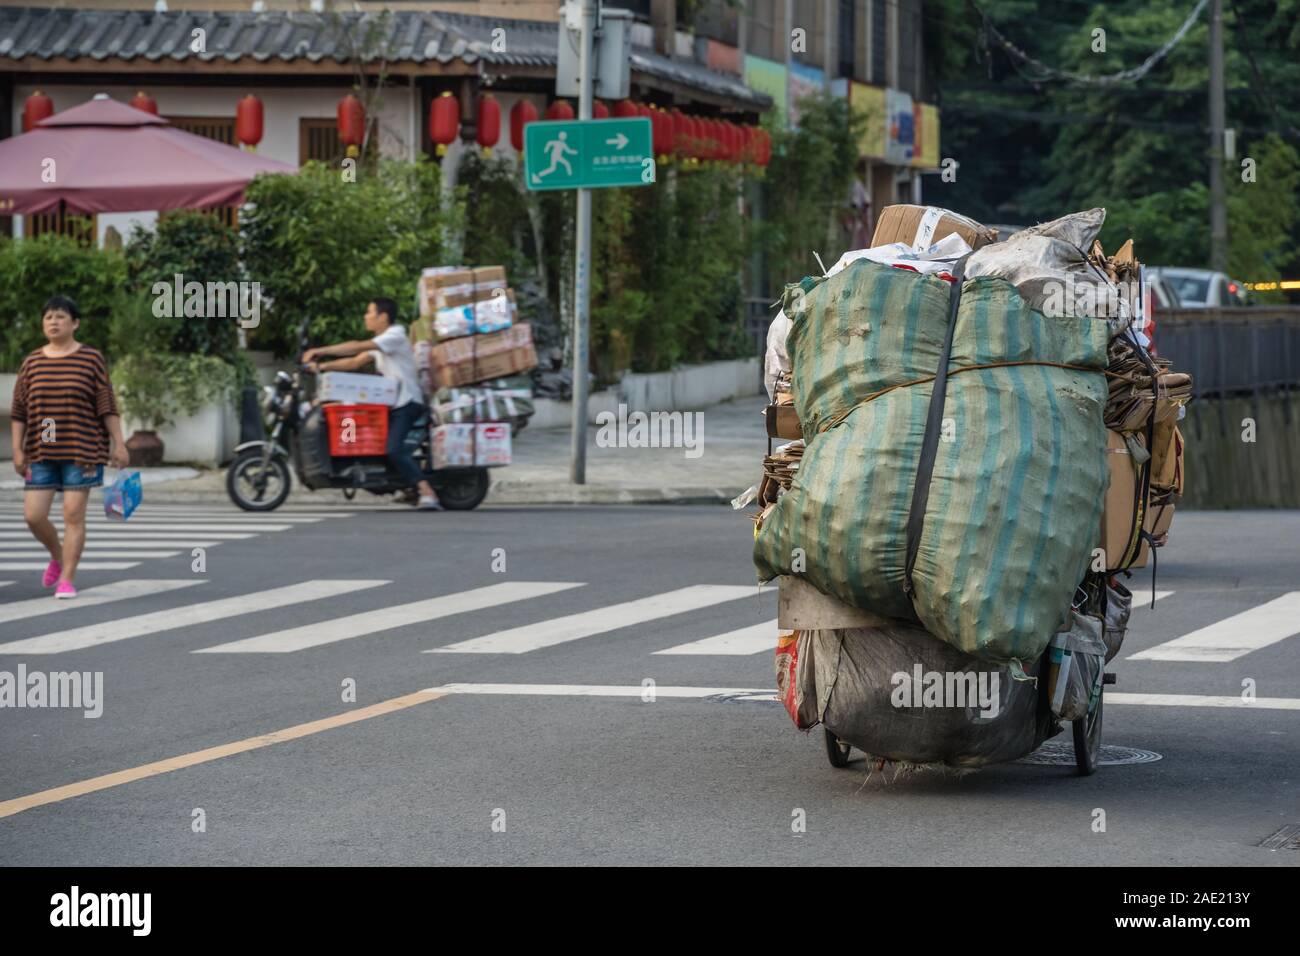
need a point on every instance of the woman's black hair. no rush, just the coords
(61, 303)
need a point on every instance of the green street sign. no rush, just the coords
(588, 154)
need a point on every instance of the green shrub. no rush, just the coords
(198, 247)
(32, 270)
(154, 387)
(321, 247)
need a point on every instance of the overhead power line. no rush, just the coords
(1041, 71)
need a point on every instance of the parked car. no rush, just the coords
(1202, 288)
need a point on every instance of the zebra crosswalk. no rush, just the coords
(193, 601)
(154, 532)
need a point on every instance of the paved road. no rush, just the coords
(199, 667)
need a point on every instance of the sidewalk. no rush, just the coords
(730, 459)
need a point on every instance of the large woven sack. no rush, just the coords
(1014, 507)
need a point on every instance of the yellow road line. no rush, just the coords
(9, 807)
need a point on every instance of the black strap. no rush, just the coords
(930, 443)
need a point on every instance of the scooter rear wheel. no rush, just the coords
(465, 491)
(253, 490)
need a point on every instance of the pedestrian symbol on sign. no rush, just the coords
(556, 149)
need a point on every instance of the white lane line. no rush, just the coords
(596, 690)
(144, 530)
(100, 518)
(768, 695)
(1197, 700)
(9, 537)
(107, 632)
(387, 618)
(571, 627)
(1232, 637)
(746, 640)
(1142, 597)
(95, 542)
(90, 552)
(5, 584)
(100, 594)
(82, 566)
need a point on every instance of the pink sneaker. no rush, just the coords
(51, 575)
(65, 590)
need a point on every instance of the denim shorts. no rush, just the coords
(63, 475)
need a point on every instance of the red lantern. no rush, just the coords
(694, 137)
(559, 110)
(643, 110)
(351, 121)
(521, 114)
(143, 101)
(489, 122)
(735, 141)
(679, 131)
(37, 107)
(625, 109)
(599, 110)
(248, 121)
(747, 154)
(661, 131)
(764, 147)
(444, 121)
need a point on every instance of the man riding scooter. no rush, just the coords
(394, 358)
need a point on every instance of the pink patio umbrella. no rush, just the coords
(103, 156)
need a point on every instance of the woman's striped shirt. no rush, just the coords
(63, 402)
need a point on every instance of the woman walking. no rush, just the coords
(64, 413)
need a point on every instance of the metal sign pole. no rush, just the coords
(582, 268)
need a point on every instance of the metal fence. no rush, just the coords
(1230, 352)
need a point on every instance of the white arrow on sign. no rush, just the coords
(618, 142)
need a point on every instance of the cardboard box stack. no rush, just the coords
(470, 355)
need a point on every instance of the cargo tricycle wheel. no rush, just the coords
(1087, 739)
(836, 750)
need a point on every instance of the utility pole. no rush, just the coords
(1218, 208)
(582, 266)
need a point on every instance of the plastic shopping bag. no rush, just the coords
(122, 497)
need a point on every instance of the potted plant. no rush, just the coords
(154, 387)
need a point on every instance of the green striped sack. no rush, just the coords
(1015, 501)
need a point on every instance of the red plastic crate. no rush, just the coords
(370, 429)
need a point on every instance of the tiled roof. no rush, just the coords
(412, 37)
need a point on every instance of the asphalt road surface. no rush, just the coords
(473, 643)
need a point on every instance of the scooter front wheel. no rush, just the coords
(255, 488)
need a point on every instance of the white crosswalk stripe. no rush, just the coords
(96, 635)
(115, 544)
(572, 627)
(388, 618)
(81, 566)
(742, 642)
(99, 551)
(146, 527)
(154, 532)
(1232, 637)
(13, 537)
(102, 594)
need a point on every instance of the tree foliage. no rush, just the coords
(1031, 149)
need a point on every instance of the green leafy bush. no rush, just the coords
(321, 247)
(199, 248)
(32, 270)
(154, 387)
